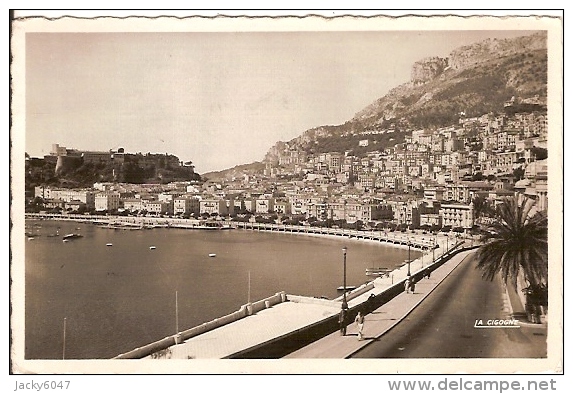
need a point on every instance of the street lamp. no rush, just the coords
(409, 244)
(409, 259)
(344, 303)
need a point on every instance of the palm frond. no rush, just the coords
(516, 242)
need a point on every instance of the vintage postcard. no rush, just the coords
(303, 194)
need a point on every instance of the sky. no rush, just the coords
(217, 99)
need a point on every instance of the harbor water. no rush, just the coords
(117, 293)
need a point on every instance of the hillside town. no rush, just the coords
(436, 179)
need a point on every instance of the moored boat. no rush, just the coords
(72, 236)
(348, 288)
(378, 271)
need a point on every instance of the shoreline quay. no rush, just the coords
(421, 242)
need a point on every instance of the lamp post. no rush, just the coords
(344, 303)
(409, 259)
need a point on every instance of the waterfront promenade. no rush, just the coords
(285, 323)
(418, 239)
(380, 320)
(282, 324)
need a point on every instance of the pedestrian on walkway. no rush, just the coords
(370, 303)
(342, 321)
(428, 273)
(407, 285)
(412, 285)
(359, 324)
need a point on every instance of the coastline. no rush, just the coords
(420, 242)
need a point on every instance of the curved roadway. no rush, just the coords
(442, 326)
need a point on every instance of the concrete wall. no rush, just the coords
(280, 347)
(244, 311)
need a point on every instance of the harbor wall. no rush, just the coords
(290, 342)
(286, 344)
(244, 311)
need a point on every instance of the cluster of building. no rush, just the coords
(430, 179)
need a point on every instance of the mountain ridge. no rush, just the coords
(474, 79)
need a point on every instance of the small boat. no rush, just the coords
(30, 238)
(348, 288)
(109, 244)
(72, 236)
(152, 247)
(212, 255)
(379, 271)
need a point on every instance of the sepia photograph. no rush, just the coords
(295, 195)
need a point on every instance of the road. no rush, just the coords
(442, 326)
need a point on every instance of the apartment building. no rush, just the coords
(213, 206)
(457, 215)
(67, 195)
(107, 201)
(186, 205)
(159, 207)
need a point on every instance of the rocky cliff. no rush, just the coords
(484, 51)
(474, 79)
(428, 69)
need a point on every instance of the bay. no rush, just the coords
(116, 298)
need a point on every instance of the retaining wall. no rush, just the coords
(244, 311)
(286, 344)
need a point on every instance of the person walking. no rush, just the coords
(342, 321)
(371, 303)
(428, 273)
(359, 324)
(412, 285)
(407, 285)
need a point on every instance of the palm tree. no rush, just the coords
(481, 207)
(516, 242)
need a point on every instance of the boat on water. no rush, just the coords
(72, 236)
(212, 255)
(213, 226)
(152, 247)
(109, 244)
(378, 271)
(348, 288)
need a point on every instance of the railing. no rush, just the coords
(414, 241)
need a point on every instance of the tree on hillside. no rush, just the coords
(516, 242)
(481, 207)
